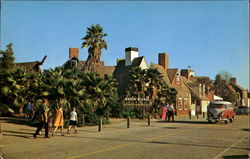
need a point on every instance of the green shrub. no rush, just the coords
(4, 110)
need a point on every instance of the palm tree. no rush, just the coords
(13, 88)
(63, 87)
(154, 77)
(137, 84)
(95, 43)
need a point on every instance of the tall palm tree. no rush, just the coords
(95, 43)
(154, 77)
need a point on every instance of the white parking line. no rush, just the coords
(220, 154)
(206, 138)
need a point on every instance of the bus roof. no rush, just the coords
(221, 102)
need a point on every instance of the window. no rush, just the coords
(179, 103)
(73, 63)
(185, 103)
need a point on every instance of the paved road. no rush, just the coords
(183, 139)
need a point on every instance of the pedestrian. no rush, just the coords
(58, 121)
(171, 112)
(29, 110)
(167, 108)
(73, 120)
(163, 113)
(43, 111)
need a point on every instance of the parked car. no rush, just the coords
(243, 110)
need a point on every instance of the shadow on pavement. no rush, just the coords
(236, 157)
(246, 129)
(14, 120)
(17, 134)
(22, 136)
(171, 127)
(186, 122)
(158, 142)
(192, 122)
(28, 130)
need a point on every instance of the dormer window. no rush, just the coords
(177, 78)
(73, 63)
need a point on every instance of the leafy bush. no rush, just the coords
(4, 110)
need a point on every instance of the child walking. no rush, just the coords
(73, 120)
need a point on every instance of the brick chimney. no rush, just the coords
(73, 52)
(185, 73)
(130, 54)
(233, 80)
(163, 60)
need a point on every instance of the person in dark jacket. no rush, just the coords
(43, 111)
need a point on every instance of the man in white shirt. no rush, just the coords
(171, 111)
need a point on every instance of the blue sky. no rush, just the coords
(209, 36)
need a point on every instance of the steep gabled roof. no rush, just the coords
(27, 65)
(122, 73)
(189, 85)
(181, 90)
(137, 61)
(100, 68)
(163, 73)
(184, 79)
(73, 58)
(196, 78)
(237, 86)
(121, 67)
(171, 73)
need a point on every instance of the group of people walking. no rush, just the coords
(43, 118)
(167, 112)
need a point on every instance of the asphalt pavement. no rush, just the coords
(182, 139)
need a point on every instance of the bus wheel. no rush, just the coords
(231, 120)
(226, 121)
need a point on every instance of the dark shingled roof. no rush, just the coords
(189, 85)
(122, 73)
(27, 65)
(100, 68)
(237, 86)
(163, 73)
(137, 61)
(171, 73)
(196, 78)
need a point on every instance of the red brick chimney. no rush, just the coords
(233, 80)
(185, 73)
(73, 52)
(163, 60)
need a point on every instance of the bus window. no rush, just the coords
(220, 106)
